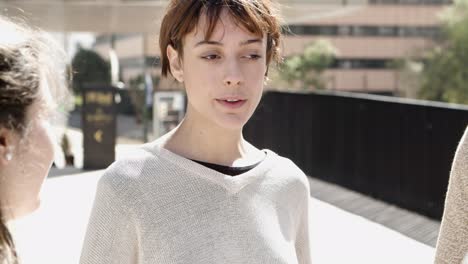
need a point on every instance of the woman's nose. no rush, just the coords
(233, 74)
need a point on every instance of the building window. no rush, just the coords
(363, 31)
(360, 64)
(411, 2)
(344, 30)
(387, 31)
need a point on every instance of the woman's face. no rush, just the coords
(224, 76)
(33, 154)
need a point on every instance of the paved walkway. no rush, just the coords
(413, 225)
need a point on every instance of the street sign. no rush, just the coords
(99, 126)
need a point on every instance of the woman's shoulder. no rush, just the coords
(284, 164)
(461, 155)
(285, 173)
(135, 166)
(459, 170)
(458, 181)
(286, 167)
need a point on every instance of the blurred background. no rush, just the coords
(370, 102)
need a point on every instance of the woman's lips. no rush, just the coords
(231, 103)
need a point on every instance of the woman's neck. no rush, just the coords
(204, 141)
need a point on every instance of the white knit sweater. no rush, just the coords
(159, 207)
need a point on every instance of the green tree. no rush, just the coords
(89, 67)
(445, 74)
(307, 68)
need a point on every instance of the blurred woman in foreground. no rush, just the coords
(31, 73)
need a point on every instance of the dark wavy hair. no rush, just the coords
(29, 59)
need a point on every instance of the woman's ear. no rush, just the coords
(7, 143)
(175, 63)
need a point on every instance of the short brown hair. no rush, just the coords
(257, 16)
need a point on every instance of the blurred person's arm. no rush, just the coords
(112, 231)
(452, 243)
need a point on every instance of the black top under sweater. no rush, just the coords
(232, 171)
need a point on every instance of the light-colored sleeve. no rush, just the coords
(303, 241)
(452, 243)
(112, 235)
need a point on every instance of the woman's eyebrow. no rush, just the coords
(250, 41)
(208, 42)
(217, 43)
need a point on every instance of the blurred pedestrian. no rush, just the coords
(452, 243)
(202, 193)
(31, 74)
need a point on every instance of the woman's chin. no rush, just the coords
(232, 122)
(23, 210)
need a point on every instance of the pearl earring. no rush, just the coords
(8, 156)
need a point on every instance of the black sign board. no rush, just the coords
(99, 126)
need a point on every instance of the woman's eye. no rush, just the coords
(211, 57)
(253, 56)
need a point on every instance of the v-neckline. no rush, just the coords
(233, 184)
(232, 171)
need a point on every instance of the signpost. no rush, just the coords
(99, 126)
